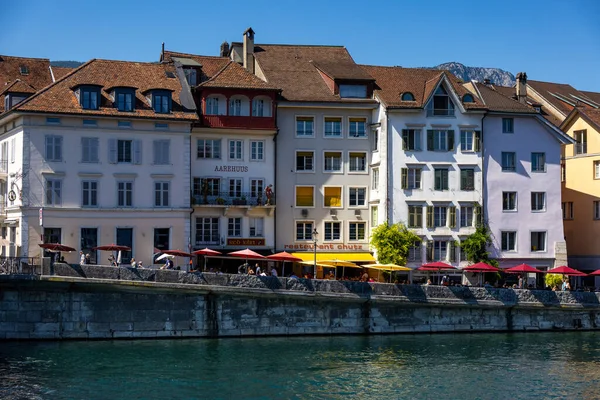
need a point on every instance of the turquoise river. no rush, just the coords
(443, 366)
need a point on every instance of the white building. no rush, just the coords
(101, 156)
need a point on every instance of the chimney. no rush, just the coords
(522, 87)
(486, 81)
(249, 50)
(224, 49)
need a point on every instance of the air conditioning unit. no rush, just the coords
(358, 213)
(332, 212)
(304, 212)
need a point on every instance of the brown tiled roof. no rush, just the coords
(497, 101)
(510, 91)
(594, 96)
(18, 86)
(38, 74)
(342, 70)
(59, 72)
(293, 69)
(210, 65)
(553, 91)
(392, 82)
(60, 98)
(590, 115)
(233, 75)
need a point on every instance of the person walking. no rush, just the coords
(81, 258)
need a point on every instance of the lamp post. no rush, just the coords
(314, 237)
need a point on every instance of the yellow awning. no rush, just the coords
(353, 257)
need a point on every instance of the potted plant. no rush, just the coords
(220, 201)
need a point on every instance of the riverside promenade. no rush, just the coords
(99, 302)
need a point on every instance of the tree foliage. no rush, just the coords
(393, 242)
(475, 246)
(553, 280)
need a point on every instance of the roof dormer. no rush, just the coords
(407, 96)
(123, 97)
(88, 96)
(441, 104)
(160, 99)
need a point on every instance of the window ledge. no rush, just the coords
(125, 175)
(90, 174)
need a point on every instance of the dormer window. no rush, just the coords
(190, 76)
(125, 99)
(353, 91)
(440, 105)
(468, 98)
(89, 97)
(161, 101)
(407, 96)
(24, 70)
(12, 99)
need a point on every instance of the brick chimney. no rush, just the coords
(522, 87)
(249, 50)
(224, 49)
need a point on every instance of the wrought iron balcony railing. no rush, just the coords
(233, 198)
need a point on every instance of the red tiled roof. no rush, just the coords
(59, 72)
(594, 96)
(233, 75)
(37, 75)
(210, 65)
(510, 91)
(293, 68)
(18, 86)
(552, 93)
(60, 98)
(392, 82)
(590, 115)
(495, 100)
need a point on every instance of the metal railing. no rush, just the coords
(232, 198)
(581, 148)
(20, 265)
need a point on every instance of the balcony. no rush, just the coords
(232, 199)
(239, 122)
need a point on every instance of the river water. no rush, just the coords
(443, 366)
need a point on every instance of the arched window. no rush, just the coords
(261, 106)
(215, 105)
(407, 96)
(468, 98)
(239, 106)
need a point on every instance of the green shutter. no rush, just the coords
(430, 140)
(452, 251)
(419, 216)
(430, 216)
(430, 250)
(450, 140)
(477, 139)
(410, 217)
(452, 217)
(404, 139)
(404, 183)
(478, 216)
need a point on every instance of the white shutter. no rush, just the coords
(137, 152)
(166, 152)
(94, 149)
(112, 151)
(13, 149)
(156, 150)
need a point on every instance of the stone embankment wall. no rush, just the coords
(93, 302)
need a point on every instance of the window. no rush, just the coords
(509, 201)
(538, 201)
(414, 252)
(357, 197)
(125, 99)
(375, 184)
(207, 231)
(567, 210)
(161, 102)
(235, 187)
(596, 210)
(211, 186)
(358, 162)
(596, 170)
(53, 148)
(333, 127)
(161, 126)
(440, 214)
(256, 227)
(333, 231)
(304, 230)
(470, 141)
(509, 161)
(466, 216)
(440, 249)
(52, 121)
(13, 150)
(89, 150)
(581, 139)
(161, 194)
(415, 216)
(190, 76)
(439, 140)
(125, 194)
(261, 108)
(235, 149)
(467, 179)
(374, 216)
(407, 96)
(305, 161)
(124, 154)
(353, 91)
(538, 241)
(89, 98)
(234, 227)
(53, 192)
(305, 196)
(411, 139)
(257, 150)
(357, 231)
(538, 162)
(235, 107)
(212, 106)
(333, 161)
(89, 196)
(509, 241)
(24, 70)
(468, 98)
(90, 122)
(209, 148)
(441, 105)
(256, 187)
(375, 140)
(332, 196)
(124, 124)
(441, 179)
(305, 126)
(508, 125)
(411, 178)
(358, 127)
(162, 152)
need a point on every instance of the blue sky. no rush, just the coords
(557, 41)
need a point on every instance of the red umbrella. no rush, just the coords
(112, 247)
(523, 268)
(435, 266)
(177, 253)
(283, 257)
(206, 252)
(596, 272)
(481, 267)
(247, 253)
(564, 270)
(56, 247)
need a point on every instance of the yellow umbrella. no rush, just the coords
(387, 267)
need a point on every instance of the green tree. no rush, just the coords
(392, 243)
(553, 280)
(475, 246)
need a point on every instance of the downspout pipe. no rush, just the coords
(275, 175)
(388, 170)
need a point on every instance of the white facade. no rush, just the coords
(96, 181)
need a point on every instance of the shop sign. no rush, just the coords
(245, 242)
(231, 168)
(340, 246)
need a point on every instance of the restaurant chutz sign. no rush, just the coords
(245, 242)
(340, 246)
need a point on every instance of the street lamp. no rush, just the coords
(314, 238)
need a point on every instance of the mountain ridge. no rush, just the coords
(496, 76)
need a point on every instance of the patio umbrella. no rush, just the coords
(177, 253)
(56, 247)
(283, 257)
(206, 252)
(335, 262)
(387, 267)
(523, 268)
(246, 254)
(112, 248)
(436, 266)
(163, 256)
(564, 270)
(480, 267)
(595, 273)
